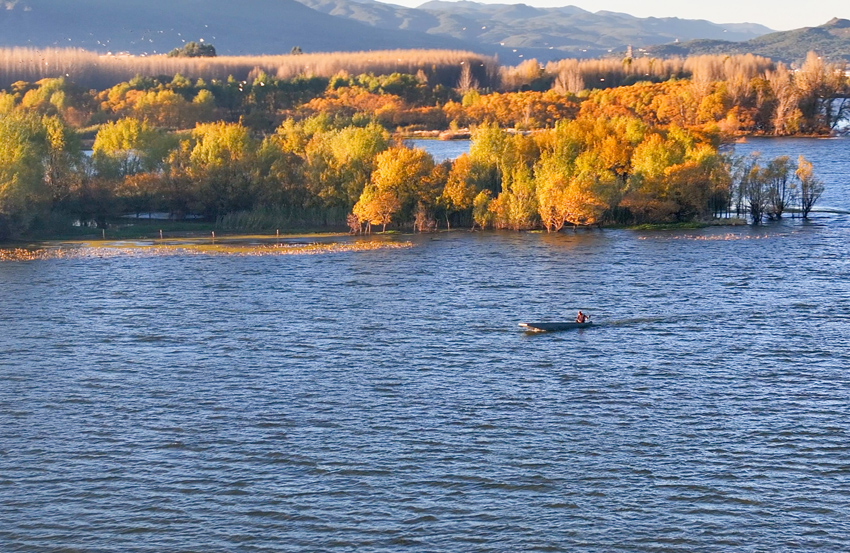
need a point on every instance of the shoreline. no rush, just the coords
(203, 237)
(466, 134)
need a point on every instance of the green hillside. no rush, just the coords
(831, 40)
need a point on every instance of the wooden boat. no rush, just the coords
(553, 327)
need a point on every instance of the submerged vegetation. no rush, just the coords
(568, 144)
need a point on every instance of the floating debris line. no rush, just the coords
(86, 251)
(715, 237)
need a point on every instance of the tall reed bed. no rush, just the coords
(93, 70)
(574, 75)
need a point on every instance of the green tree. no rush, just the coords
(63, 160)
(340, 162)
(22, 187)
(193, 50)
(780, 187)
(129, 146)
(221, 164)
(754, 189)
(38, 163)
(204, 104)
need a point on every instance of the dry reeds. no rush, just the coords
(93, 70)
(573, 75)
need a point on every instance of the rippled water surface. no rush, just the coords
(386, 400)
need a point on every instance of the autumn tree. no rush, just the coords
(516, 206)
(401, 180)
(582, 202)
(377, 206)
(811, 188)
(60, 97)
(551, 187)
(164, 108)
(787, 117)
(465, 180)
(466, 82)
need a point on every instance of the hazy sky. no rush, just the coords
(776, 14)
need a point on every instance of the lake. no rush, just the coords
(441, 150)
(382, 400)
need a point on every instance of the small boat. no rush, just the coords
(553, 327)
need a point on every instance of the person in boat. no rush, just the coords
(581, 317)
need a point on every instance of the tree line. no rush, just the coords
(317, 172)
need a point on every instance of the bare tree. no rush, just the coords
(466, 82)
(787, 98)
(753, 189)
(776, 176)
(354, 225)
(819, 85)
(423, 219)
(569, 78)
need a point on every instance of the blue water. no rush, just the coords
(441, 150)
(386, 400)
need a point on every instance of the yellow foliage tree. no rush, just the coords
(581, 205)
(376, 206)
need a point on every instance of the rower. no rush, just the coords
(581, 317)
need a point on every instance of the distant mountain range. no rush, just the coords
(831, 40)
(234, 27)
(512, 31)
(516, 31)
